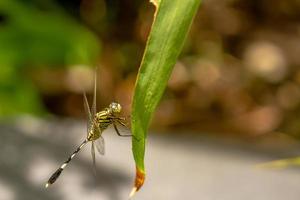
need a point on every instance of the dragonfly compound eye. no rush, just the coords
(115, 107)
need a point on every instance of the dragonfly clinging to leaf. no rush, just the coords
(97, 122)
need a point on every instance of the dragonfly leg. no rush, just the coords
(121, 120)
(118, 132)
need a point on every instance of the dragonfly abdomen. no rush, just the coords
(57, 173)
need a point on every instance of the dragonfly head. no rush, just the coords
(115, 108)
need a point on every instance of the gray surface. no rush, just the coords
(178, 167)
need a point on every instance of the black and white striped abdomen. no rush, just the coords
(57, 173)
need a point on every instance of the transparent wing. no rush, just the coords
(94, 105)
(100, 145)
(93, 156)
(87, 112)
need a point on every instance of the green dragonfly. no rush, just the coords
(97, 122)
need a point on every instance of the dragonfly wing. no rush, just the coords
(94, 105)
(93, 156)
(87, 112)
(100, 145)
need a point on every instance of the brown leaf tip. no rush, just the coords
(139, 179)
(138, 183)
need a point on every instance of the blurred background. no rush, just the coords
(234, 89)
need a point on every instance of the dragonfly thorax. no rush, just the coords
(103, 119)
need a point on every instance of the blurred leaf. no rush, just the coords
(171, 24)
(34, 37)
(21, 98)
(281, 164)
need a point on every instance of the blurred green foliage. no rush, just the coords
(37, 34)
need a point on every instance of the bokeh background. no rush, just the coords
(237, 79)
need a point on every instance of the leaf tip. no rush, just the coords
(132, 193)
(154, 2)
(138, 183)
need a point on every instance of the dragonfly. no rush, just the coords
(97, 122)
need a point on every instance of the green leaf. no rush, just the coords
(170, 27)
